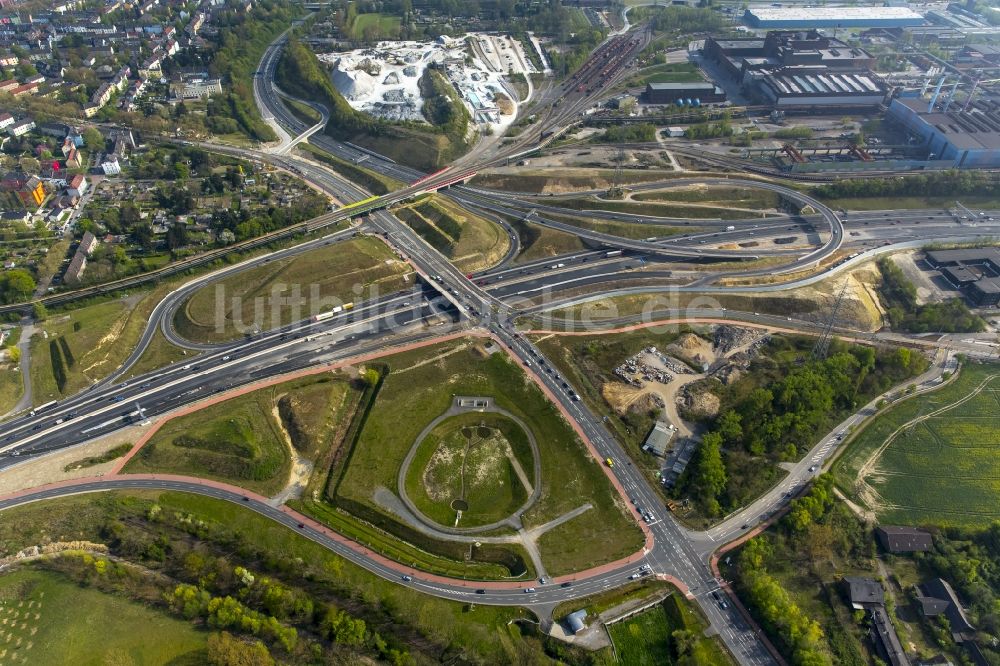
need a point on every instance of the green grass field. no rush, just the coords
(643, 640)
(46, 619)
(933, 458)
(158, 353)
(680, 72)
(11, 383)
(375, 26)
(420, 386)
(649, 637)
(654, 208)
(348, 271)
(742, 197)
(467, 459)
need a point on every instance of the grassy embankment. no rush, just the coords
(11, 382)
(372, 181)
(470, 242)
(538, 242)
(349, 271)
(567, 180)
(653, 208)
(243, 440)
(740, 197)
(237, 441)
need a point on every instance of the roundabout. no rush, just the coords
(473, 469)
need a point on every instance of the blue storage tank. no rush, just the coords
(690, 103)
(697, 101)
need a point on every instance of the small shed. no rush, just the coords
(659, 438)
(574, 621)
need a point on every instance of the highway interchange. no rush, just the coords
(447, 302)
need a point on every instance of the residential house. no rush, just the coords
(864, 592)
(73, 160)
(110, 165)
(937, 597)
(26, 89)
(74, 272)
(21, 127)
(77, 185)
(28, 189)
(904, 539)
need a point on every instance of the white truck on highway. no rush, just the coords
(336, 310)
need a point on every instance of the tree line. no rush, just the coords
(936, 184)
(780, 416)
(906, 314)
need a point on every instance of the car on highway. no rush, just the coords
(566, 584)
(813, 468)
(480, 591)
(407, 578)
(529, 590)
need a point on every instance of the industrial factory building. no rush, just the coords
(796, 48)
(975, 272)
(684, 94)
(804, 86)
(799, 68)
(831, 17)
(970, 137)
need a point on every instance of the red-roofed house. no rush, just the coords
(77, 185)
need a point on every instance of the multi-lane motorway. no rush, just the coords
(446, 301)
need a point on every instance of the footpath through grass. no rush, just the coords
(48, 619)
(464, 464)
(934, 458)
(419, 387)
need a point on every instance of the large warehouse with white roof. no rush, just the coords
(831, 17)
